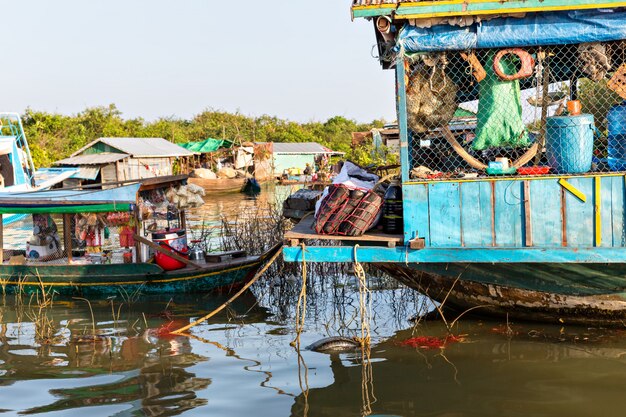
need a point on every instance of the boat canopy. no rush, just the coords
(207, 145)
(70, 201)
(536, 29)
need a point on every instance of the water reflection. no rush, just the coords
(131, 342)
(535, 371)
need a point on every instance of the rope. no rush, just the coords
(364, 300)
(365, 307)
(233, 298)
(301, 306)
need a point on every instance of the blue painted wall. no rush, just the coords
(492, 213)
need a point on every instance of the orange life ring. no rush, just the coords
(527, 69)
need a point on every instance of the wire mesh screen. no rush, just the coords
(555, 109)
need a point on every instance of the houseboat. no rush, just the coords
(126, 241)
(521, 213)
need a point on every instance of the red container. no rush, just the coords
(541, 170)
(174, 240)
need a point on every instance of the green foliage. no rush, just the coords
(366, 155)
(597, 99)
(54, 136)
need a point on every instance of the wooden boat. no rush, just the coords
(68, 271)
(219, 185)
(104, 280)
(539, 247)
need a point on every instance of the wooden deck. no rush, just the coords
(304, 230)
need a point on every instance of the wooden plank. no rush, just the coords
(429, 9)
(1, 240)
(67, 236)
(508, 213)
(575, 191)
(158, 248)
(458, 255)
(563, 217)
(618, 211)
(475, 225)
(445, 215)
(402, 117)
(416, 222)
(597, 208)
(580, 215)
(224, 256)
(606, 214)
(492, 207)
(547, 219)
(304, 230)
(528, 226)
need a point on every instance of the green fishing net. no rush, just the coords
(500, 109)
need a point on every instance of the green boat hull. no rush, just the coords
(125, 279)
(590, 294)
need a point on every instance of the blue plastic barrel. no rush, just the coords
(569, 143)
(617, 137)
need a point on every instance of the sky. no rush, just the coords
(303, 60)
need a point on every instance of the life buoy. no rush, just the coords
(527, 69)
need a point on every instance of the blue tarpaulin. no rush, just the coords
(599, 25)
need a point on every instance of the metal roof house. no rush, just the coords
(297, 155)
(108, 160)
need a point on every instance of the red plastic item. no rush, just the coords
(431, 342)
(174, 240)
(533, 170)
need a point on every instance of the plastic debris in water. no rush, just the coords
(431, 342)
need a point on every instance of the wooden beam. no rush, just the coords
(158, 248)
(1, 240)
(597, 210)
(67, 236)
(528, 225)
(428, 9)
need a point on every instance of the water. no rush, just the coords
(56, 361)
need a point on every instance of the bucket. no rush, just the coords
(174, 240)
(569, 143)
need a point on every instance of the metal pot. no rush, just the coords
(196, 254)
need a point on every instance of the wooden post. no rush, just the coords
(137, 231)
(67, 235)
(528, 226)
(1, 241)
(183, 219)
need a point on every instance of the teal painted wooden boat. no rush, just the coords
(539, 247)
(102, 280)
(36, 258)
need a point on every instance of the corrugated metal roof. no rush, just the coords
(147, 147)
(87, 173)
(305, 147)
(142, 147)
(92, 159)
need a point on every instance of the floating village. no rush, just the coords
(499, 206)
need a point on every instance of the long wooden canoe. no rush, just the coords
(129, 279)
(219, 185)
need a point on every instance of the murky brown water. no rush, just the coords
(55, 360)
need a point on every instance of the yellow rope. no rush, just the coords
(364, 300)
(301, 306)
(365, 308)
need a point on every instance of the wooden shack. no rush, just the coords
(107, 160)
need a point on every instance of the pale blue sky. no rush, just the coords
(296, 59)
